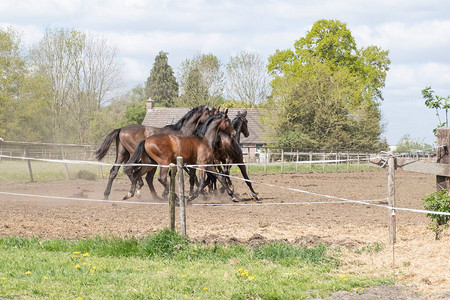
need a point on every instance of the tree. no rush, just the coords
(162, 85)
(82, 70)
(12, 77)
(437, 103)
(326, 92)
(201, 80)
(247, 78)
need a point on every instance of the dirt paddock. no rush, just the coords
(421, 262)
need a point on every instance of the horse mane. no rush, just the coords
(178, 125)
(200, 131)
(240, 114)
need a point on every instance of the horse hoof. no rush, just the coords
(127, 196)
(235, 199)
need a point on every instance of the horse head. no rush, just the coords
(225, 124)
(240, 123)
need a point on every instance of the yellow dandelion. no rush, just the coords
(3, 278)
(356, 289)
(84, 264)
(92, 270)
(193, 252)
(342, 275)
(240, 270)
(182, 276)
(79, 298)
(251, 277)
(77, 266)
(45, 277)
(191, 268)
(345, 278)
(85, 254)
(28, 272)
(76, 252)
(205, 288)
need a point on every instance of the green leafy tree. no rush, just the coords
(13, 74)
(326, 92)
(162, 85)
(437, 103)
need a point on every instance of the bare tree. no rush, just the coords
(247, 78)
(82, 70)
(206, 72)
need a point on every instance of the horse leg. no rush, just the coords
(202, 184)
(247, 181)
(193, 180)
(162, 178)
(134, 176)
(149, 179)
(122, 155)
(224, 183)
(139, 185)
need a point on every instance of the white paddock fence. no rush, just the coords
(263, 159)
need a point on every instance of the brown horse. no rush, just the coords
(129, 136)
(195, 150)
(227, 150)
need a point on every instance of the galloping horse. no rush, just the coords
(228, 151)
(197, 149)
(129, 136)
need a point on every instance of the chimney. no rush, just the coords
(150, 104)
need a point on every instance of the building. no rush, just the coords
(162, 116)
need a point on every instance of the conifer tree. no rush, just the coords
(161, 86)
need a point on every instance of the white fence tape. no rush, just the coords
(340, 199)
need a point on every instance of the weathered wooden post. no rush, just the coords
(65, 165)
(282, 160)
(182, 201)
(296, 165)
(29, 164)
(310, 161)
(443, 142)
(391, 198)
(172, 195)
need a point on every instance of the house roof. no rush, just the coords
(162, 116)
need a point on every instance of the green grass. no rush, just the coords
(17, 171)
(168, 266)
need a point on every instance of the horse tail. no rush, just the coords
(135, 158)
(101, 152)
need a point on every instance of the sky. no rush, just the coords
(415, 32)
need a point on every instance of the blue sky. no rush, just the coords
(415, 32)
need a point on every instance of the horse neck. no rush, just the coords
(211, 134)
(189, 126)
(238, 127)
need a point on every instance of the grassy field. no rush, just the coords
(17, 171)
(167, 266)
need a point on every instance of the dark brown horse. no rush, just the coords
(195, 150)
(228, 151)
(128, 137)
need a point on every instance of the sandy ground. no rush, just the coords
(422, 264)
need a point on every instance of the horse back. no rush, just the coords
(165, 149)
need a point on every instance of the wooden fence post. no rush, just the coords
(172, 195)
(310, 161)
(181, 199)
(29, 164)
(443, 143)
(282, 159)
(65, 165)
(391, 198)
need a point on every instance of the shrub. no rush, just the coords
(439, 202)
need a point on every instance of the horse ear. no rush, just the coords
(226, 111)
(244, 113)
